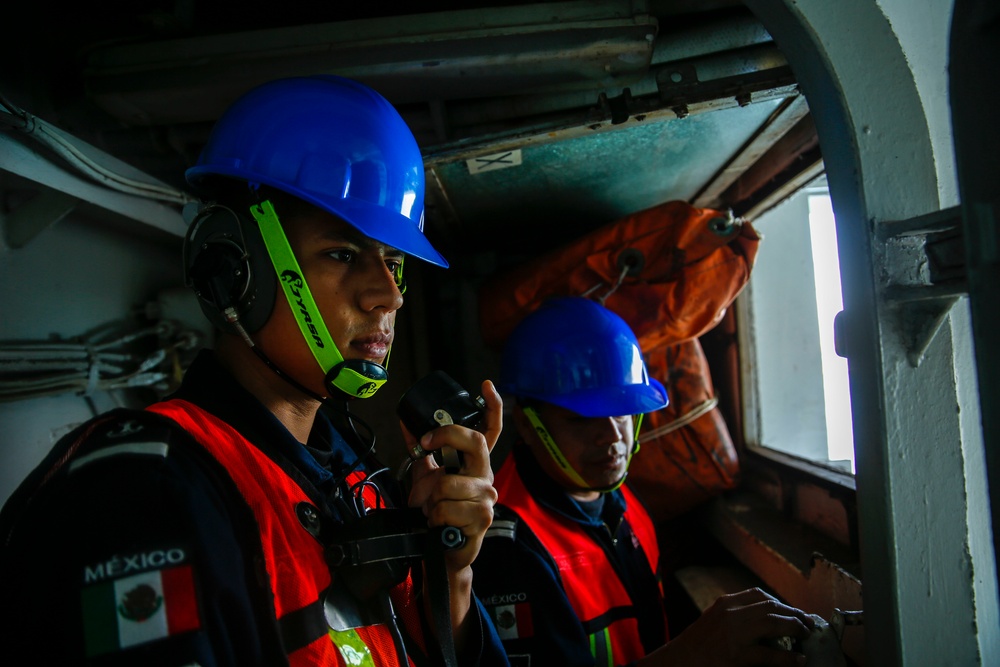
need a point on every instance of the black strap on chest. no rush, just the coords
(373, 553)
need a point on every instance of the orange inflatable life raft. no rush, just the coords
(669, 271)
(686, 454)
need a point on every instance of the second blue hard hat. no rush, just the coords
(575, 353)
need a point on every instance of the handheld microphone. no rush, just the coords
(437, 400)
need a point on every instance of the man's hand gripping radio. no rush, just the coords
(437, 400)
(378, 544)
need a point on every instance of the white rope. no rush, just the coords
(685, 419)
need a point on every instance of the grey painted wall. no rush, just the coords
(75, 276)
(930, 587)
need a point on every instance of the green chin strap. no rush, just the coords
(358, 378)
(570, 474)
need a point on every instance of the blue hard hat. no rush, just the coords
(334, 143)
(575, 353)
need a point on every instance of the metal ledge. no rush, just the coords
(800, 565)
(24, 158)
(922, 307)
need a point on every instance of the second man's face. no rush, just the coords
(597, 448)
(352, 280)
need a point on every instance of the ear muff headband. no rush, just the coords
(553, 449)
(560, 460)
(357, 378)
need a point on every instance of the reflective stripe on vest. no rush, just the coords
(296, 568)
(590, 581)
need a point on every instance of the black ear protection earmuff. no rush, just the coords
(227, 266)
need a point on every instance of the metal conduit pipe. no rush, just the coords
(462, 115)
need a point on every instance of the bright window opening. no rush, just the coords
(798, 399)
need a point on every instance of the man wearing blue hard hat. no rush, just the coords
(570, 568)
(243, 521)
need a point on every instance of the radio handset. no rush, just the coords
(434, 401)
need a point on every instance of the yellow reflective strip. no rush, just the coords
(352, 648)
(600, 648)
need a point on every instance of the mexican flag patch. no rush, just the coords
(138, 609)
(513, 621)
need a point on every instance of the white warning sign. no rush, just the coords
(503, 160)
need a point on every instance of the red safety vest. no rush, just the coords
(589, 579)
(294, 560)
